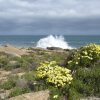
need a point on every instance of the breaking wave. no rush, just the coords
(53, 41)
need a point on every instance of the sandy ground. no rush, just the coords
(10, 49)
(41, 95)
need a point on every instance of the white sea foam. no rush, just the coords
(53, 41)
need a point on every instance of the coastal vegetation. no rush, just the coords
(67, 74)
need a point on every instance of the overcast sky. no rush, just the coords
(50, 17)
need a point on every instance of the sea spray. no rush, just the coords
(53, 41)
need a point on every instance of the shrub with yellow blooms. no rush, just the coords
(85, 66)
(85, 56)
(54, 74)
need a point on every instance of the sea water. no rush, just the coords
(43, 41)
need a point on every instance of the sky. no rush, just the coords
(69, 17)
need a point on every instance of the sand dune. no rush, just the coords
(10, 49)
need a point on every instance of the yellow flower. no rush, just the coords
(54, 74)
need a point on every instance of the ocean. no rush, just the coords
(65, 41)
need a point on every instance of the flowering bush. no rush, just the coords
(54, 74)
(85, 56)
(85, 66)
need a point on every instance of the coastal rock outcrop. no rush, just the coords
(54, 48)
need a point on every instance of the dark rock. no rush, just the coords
(54, 48)
(66, 49)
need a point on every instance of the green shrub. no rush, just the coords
(18, 91)
(33, 83)
(30, 76)
(73, 94)
(27, 58)
(85, 66)
(81, 87)
(26, 62)
(55, 93)
(11, 66)
(3, 61)
(8, 84)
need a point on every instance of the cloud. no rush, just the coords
(52, 26)
(49, 16)
(49, 8)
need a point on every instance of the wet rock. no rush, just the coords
(54, 48)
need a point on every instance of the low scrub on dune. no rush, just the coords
(70, 75)
(85, 66)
